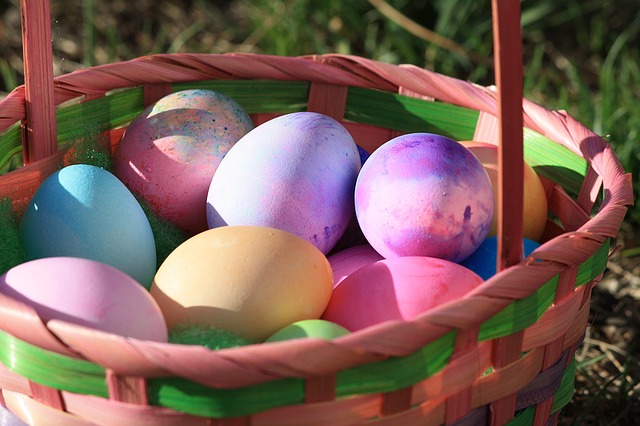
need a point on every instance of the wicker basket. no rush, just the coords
(503, 354)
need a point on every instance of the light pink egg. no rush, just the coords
(169, 153)
(88, 293)
(399, 288)
(349, 260)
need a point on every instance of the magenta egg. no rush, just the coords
(349, 260)
(88, 293)
(296, 173)
(399, 288)
(423, 194)
(169, 153)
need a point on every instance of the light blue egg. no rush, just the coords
(483, 261)
(85, 211)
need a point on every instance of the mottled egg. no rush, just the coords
(534, 207)
(423, 194)
(398, 288)
(248, 280)
(85, 211)
(88, 293)
(484, 261)
(349, 260)
(296, 173)
(169, 153)
(312, 328)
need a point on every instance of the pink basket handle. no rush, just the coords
(41, 135)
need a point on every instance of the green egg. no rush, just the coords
(316, 328)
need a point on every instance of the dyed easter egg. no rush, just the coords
(85, 211)
(422, 194)
(349, 260)
(534, 208)
(313, 328)
(248, 280)
(484, 260)
(296, 173)
(88, 293)
(169, 153)
(398, 288)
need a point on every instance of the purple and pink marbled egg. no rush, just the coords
(423, 194)
(296, 173)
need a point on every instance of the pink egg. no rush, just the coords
(349, 260)
(169, 153)
(88, 293)
(424, 195)
(398, 288)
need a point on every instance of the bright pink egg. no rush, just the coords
(399, 288)
(88, 293)
(169, 153)
(424, 195)
(349, 260)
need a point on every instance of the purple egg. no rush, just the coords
(296, 173)
(423, 194)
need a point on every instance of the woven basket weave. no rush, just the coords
(503, 354)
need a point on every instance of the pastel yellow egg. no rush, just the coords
(249, 280)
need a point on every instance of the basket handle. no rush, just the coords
(507, 42)
(41, 135)
(40, 126)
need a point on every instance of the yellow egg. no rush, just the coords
(249, 280)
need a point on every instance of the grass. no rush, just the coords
(580, 56)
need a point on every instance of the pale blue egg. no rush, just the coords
(85, 211)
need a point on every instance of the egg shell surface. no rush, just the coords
(350, 260)
(484, 260)
(169, 153)
(399, 288)
(85, 211)
(535, 205)
(249, 280)
(422, 194)
(313, 328)
(295, 172)
(88, 293)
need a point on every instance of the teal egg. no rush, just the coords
(85, 211)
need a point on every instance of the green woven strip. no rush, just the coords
(11, 149)
(554, 161)
(52, 369)
(406, 114)
(397, 373)
(83, 120)
(525, 312)
(258, 96)
(523, 418)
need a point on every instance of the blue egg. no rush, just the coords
(364, 154)
(483, 261)
(85, 211)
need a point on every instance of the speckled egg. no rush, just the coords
(170, 152)
(399, 288)
(86, 292)
(85, 211)
(296, 173)
(248, 280)
(423, 194)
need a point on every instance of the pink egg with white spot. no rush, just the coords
(423, 194)
(349, 260)
(295, 172)
(169, 153)
(399, 288)
(88, 293)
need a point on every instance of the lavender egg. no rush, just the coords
(423, 194)
(296, 173)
